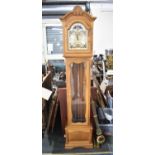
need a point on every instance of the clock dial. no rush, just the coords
(77, 37)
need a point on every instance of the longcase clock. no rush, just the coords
(78, 44)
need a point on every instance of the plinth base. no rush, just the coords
(78, 136)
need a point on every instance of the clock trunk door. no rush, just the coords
(78, 92)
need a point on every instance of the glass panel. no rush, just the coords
(77, 35)
(54, 39)
(78, 88)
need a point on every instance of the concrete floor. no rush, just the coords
(53, 144)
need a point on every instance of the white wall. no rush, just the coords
(103, 28)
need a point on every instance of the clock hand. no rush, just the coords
(77, 37)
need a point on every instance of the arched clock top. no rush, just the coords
(77, 11)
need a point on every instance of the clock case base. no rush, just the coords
(78, 137)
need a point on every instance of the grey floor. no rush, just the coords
(53, 143)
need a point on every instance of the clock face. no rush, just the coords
(77, 37)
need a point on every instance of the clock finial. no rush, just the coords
(77, 10)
